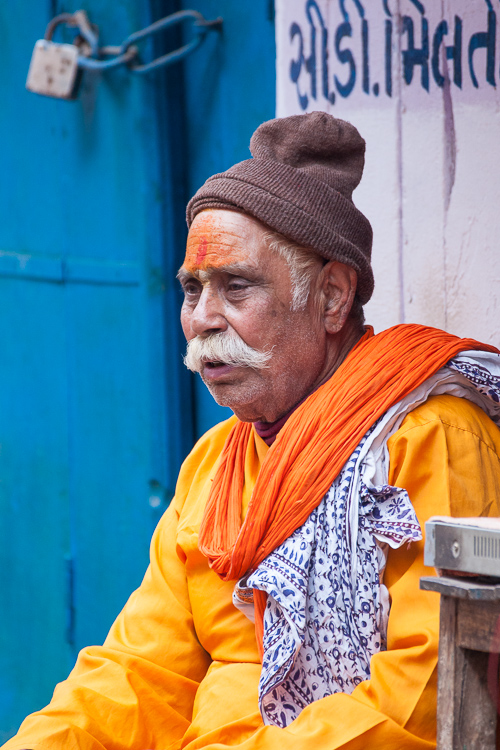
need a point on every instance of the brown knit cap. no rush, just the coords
(300, 182)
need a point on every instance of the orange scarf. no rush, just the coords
(313, 445)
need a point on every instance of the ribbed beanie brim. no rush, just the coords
(299, 183)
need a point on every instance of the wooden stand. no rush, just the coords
(468, 675)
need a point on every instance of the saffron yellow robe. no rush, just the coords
(180, 666)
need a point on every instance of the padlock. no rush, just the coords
(54, 69)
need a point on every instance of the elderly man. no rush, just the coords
(282, 605)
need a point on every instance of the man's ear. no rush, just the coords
(338, 287)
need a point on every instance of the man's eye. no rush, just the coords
(238, 285)
(191, 290)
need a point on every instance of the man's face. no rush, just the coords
(235, 286)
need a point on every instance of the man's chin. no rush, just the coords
(225, 393)
(239, 396)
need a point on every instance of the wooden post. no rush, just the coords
(468, 664)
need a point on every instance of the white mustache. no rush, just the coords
(227, 348)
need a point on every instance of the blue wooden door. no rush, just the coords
(96, 410)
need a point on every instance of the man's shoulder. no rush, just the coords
(452, 412)
(446, 454)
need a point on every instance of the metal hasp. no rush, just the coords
(468, 664)
(55, 68)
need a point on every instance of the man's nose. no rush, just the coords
(208, 315)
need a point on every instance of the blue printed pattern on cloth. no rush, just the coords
(484, 380)
(323, 620)
(321, 629)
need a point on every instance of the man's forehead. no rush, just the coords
(215, 242)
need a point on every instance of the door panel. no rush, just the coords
(34, 495)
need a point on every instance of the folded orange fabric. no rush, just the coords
(313, 445)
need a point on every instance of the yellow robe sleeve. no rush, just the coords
(446, 455)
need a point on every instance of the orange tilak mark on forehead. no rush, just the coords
(209, 245)
(202, 251)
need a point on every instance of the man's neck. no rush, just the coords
(268, 431)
